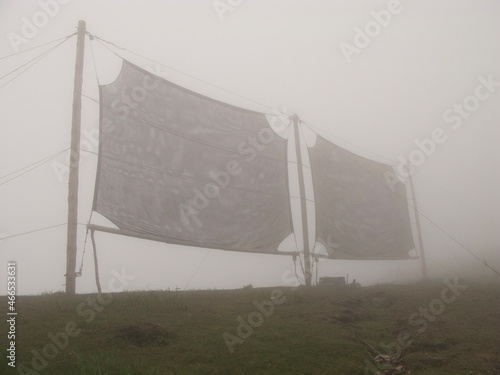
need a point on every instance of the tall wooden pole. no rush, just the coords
(417, 222)
(303, 208)
(74, 163)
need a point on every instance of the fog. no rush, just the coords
(381, 97)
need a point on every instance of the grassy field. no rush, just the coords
(442, 329)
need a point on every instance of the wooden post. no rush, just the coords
(74, 163)
(417, 222)
(303, 208)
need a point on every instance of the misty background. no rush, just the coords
(282, 55)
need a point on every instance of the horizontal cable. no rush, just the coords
(32, 231)
(33, 166)
(41, 45)
(178, 71)
(33, 62)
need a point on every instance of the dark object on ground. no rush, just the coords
(354, 284)
(337, 281)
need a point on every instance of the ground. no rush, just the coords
(431, 327)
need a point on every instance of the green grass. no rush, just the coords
(314, 331)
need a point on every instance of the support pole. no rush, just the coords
(417, 222)
(74, 163)
(96, 265)
(303, 208)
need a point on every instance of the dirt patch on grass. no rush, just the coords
(144, 335)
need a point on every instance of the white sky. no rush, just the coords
(285, 54)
